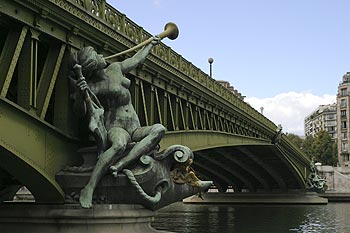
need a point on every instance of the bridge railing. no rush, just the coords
(35, 68)
(136, 34)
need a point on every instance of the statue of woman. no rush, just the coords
(108, 83)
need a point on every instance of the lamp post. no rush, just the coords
(210, 60)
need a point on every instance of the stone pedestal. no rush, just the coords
(36, 218)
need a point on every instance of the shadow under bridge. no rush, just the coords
(244, 163)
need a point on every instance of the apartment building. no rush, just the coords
(323, 118)
(343, 120)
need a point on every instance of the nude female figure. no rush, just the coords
(111, 87)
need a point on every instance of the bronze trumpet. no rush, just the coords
(170, 30)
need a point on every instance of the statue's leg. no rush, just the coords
(148, 138)
(119, 139)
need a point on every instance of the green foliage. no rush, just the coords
(321, 148)
(307, 146)
(295, 139)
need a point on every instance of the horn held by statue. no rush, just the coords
(170, 30)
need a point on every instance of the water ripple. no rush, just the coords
(187, 218)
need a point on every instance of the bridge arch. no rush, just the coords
(32, 152)
(254, 163)
(199, 140)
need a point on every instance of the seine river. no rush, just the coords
(197, 218)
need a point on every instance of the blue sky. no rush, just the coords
(265, 49)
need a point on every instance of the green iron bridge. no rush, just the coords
(232, 142)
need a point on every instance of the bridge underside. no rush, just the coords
(245, 164)
(247, 168)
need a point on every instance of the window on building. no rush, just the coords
(343, 113)
(330, 123)
(343, 124)
(344, 135)
(343, 103)
(346, 157)
(343, 91)
(330, 116)
(344, 147)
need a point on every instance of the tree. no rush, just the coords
(321, 148)
(295, 139)
(306, 146)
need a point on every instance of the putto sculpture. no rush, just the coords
(125, 150)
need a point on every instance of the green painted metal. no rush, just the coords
(33, 151)
(48, 78)
(9, 57)
(199, 140)
(196, 110)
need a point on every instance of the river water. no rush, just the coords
(198, 218)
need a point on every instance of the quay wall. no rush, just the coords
(338, 178)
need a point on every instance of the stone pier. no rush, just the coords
(257, 198)
(102, 218)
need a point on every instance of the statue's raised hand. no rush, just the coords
(156, 40)
(81, 83)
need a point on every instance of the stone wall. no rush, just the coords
(338, 178)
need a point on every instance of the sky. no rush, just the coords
(287, 56)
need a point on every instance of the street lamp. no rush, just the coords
(210, 60)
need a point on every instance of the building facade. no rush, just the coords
(335, 119)
(324, 118)
(343, 120)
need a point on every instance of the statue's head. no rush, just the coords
(90, 61)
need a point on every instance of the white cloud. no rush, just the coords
(289, 109)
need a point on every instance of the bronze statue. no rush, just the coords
(108, 83)
(151, 178)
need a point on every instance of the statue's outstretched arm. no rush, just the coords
(130, 63)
